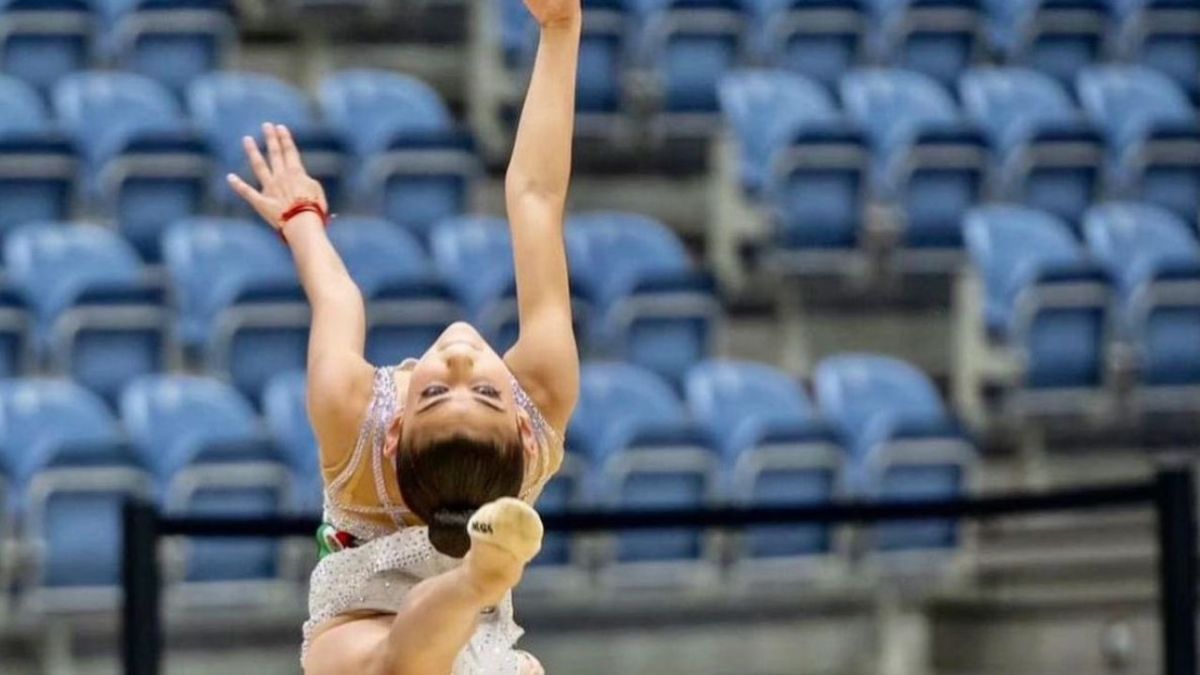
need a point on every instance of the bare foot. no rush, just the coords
(505, 535)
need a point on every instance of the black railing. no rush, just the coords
(1172, 494)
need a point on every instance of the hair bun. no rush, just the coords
(448, 531)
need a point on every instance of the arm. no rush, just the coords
(339, 378)
(545, 358)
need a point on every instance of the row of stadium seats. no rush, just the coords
(171, 41)
(684, 46)
(744, 433)
(1079, 322)
(384, 142)
(899, 141)
(231, 297)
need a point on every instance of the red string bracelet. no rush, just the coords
(302, 206)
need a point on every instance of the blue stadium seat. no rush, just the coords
(1057, 37)
(1049, 157)
(652, 307)
(37, 165)
(286, 414)
(41, 41)
(820, 39)
(1042, 298)
(688, 45)
(98, 317)
(1155, 262)
(408, 306)
(903, 443)
(414, 165)
(170, 41)
(203, 443)
(228, 106)
(939, 38)
(1152, 132)
(645, 453)
(253, 322)
(1161, 34)
(145, 166)
(72, 471)
(775, 449)
(474, 257)
(928, 161)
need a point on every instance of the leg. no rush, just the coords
(439, 614)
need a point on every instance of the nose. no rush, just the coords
(460, 359)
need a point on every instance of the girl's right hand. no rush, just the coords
(283, 180)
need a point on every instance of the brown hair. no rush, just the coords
(445, 481)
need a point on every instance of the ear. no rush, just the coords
(391, 442)
(529, 437)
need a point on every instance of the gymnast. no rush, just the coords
(430, 467)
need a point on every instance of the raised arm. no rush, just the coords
(545, 358)
(339, 378)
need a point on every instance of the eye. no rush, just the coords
(433, 390)
(488, 391)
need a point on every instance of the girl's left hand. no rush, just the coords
(284, 181)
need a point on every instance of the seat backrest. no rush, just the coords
(54, 263)
(1133, 240)
(615, 250)
(102, 110)
(892, 105)
(473, 255)
(371, 107)
(1010, 103)
(39, 417)
(614, 396)
(212, 260)
(1125, 101)
(230, 105)
(170, 417)
(286, 411)
(21, 108)
(766, 107)
(865, 395)
(377, 253)
(726, 395)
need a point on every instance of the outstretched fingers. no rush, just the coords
(274, 148)
(291, 154)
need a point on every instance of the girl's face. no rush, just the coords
(461, 385)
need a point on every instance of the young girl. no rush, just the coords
(430, 466)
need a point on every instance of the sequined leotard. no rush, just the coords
(376, 575)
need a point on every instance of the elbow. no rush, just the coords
(521, 188)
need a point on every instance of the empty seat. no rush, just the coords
(98, 317)
(286, 414)
(474, 257)
(1161, 34)
(37, 165)
(408, 306)
(253, 322)
(1155, 262)
(1043, 299)
(415, 166)
(228, 106)
(170, 41)
(775, 449)
(636, 433)
(73, 472)
(42, 41)
(688, 45)
(1049, 157)
(145, 166)
(903, 443)
(820, 39)
(203, 443)
(934, 37)
(1057, 37)
(928, 161)
(652, 306)
(1152, 131)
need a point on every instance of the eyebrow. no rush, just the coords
(445, 397)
